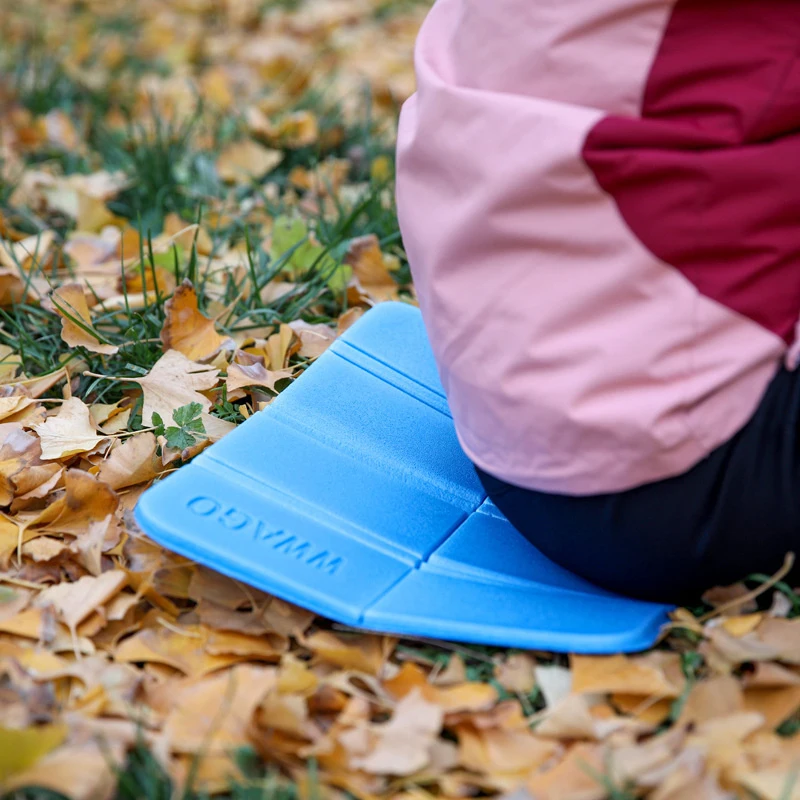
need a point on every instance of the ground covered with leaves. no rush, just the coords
(196, 198)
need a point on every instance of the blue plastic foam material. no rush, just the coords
(351, 496)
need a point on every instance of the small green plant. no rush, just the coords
(188, 429)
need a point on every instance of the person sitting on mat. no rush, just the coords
(600, 205)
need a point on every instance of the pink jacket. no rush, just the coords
(600, 200)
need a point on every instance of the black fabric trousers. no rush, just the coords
(735, 513)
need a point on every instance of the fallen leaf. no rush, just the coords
(401, 746)
(573, 778)
(241, 375)
(470, 696)
(370, 268)
(194, 650)
(69, 432)
(364, 653)
(85, 500)
(783, 635)
(609, 674)
(314, 339)
(77, 329)
(175, 381)
(212, 715)
(131, 462)
(75, 601)
(708, 700)
(508, 756)
(22, 749)
(185, 328)
(81, 772)
(246, 160)
(516, 673)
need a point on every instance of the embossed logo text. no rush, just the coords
(279, 540)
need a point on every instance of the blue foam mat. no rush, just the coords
(351, 496)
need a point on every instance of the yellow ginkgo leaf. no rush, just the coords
(185, 328)
(175, 381)
(69, 432)
(134, 461)
(247, 160)
(240, 375)
(76, 323)
(21, 749)
(76, 601)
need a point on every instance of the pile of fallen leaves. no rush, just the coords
(195, 201)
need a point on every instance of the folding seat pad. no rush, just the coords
(351, 496)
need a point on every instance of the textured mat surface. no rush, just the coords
(351, 496)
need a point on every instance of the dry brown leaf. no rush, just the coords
(471, 696)
(508, 756)
(348, 319)
(194, 650)
(213, 714)
(186, 329)
(69, 432)
(85, 500)
(175, 381)
(783, 635)
(245, 161)
(75, 601)
(131, 462)
(772, 784)
(401, 746)
(776, 705)
(81, 772)
(241, 375)
(454, 673)
(612, 674)
(280, 347)
(314, 339)
(186, 236)
(370, 268)
(363, 653)
(516, 673)
(77, 329)
(573, 778)
(707, 700)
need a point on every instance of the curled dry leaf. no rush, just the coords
(188, 648)
(132, 462)
(69, 432)
(75, 601)
(633, 676)
(85, 500)
(185, 328)
(314, 339)
(364, 653)
(371, 268)
(469, 696)
(280, 347)
(242, 375)
(509, 756)
(77, 329)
